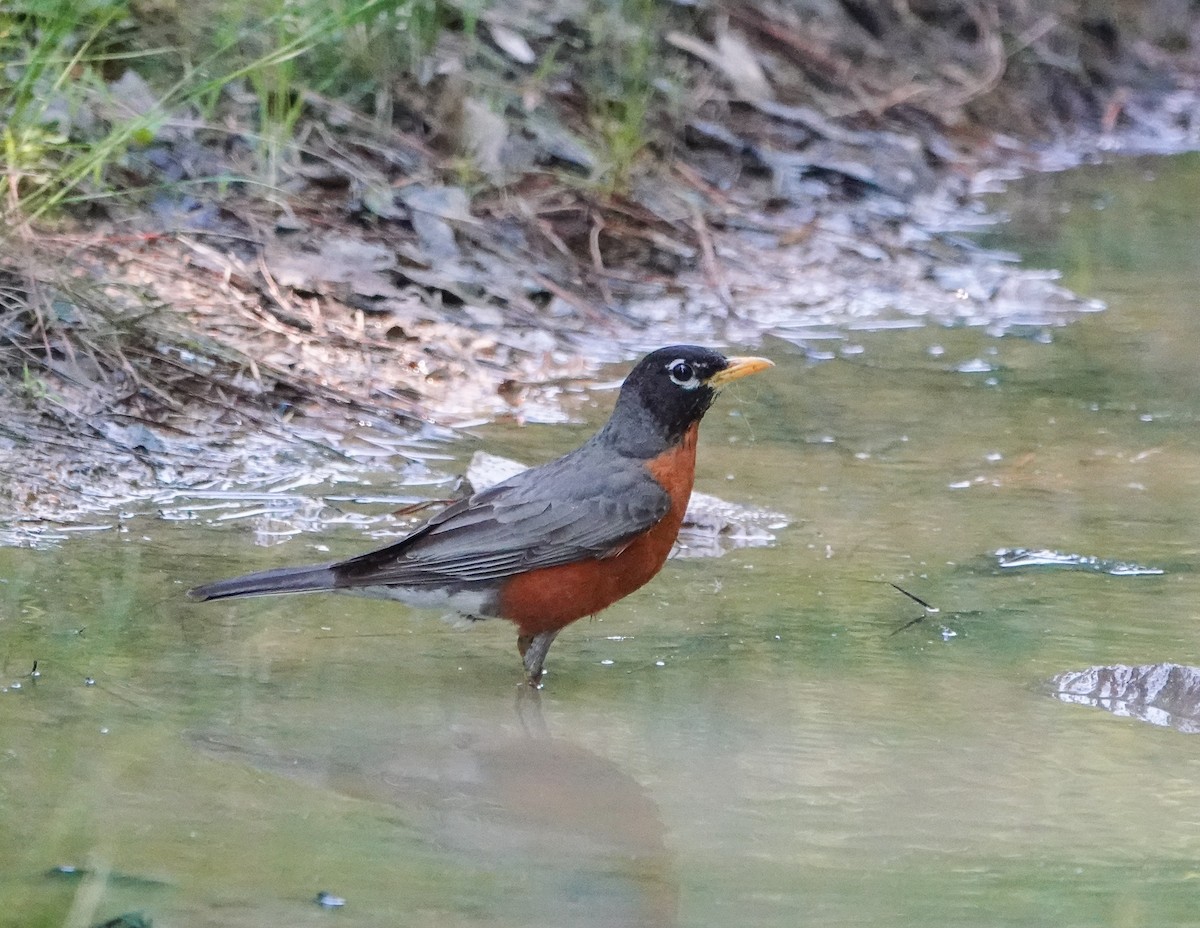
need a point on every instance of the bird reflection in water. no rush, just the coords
(564, 833)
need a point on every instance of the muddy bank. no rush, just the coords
(799, 174)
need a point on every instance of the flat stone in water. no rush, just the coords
(1161, 694)
(1008, 558)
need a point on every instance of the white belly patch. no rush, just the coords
(464, 604)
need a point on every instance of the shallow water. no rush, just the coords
(749, 740)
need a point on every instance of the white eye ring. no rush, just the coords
(683, 374)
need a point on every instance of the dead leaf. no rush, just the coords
(339, 259)
(734, 58)
(430, 208)
(512, 43)
(483, 135)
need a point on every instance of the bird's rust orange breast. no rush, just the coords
(548, 599)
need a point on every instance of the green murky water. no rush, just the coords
(745, 742)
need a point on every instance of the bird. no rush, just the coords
(555, 543)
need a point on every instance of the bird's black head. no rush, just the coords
(669, 390)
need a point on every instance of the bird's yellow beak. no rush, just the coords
(737, 369)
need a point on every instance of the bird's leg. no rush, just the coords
(533, 650)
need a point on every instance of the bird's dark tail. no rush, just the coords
(280, 580)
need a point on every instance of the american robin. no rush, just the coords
(557, 542)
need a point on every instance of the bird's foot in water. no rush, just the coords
(533, 650)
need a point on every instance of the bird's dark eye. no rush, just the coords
(682, 373)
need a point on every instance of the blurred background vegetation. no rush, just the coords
(594, 86)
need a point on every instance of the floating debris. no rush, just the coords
(929, 610)
(1009, 558)
(1161, 694)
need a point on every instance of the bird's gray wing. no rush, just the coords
(578, 507)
